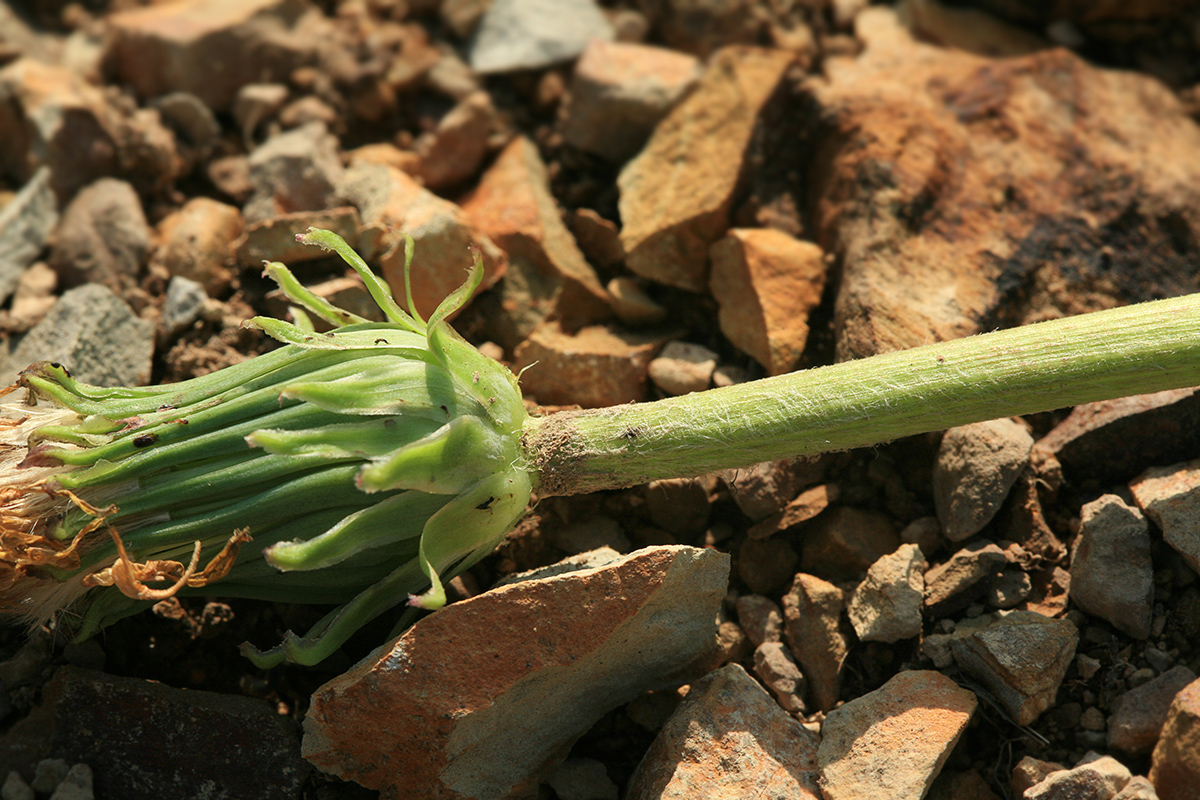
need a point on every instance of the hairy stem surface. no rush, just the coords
(1125, 351)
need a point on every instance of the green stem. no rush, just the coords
(1124, 351)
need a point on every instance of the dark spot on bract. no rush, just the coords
(486, 504)
(145, 440)
(381, 341)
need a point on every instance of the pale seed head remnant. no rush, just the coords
(355, 468)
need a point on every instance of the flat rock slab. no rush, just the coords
(728, 739)
(892, 742)
(134, 735)
(942, 178)
(1171, 497)
(1021, 658)
(481, 699)
(676, 194)
(93, 333)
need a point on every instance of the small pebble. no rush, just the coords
(15, 788)
(1142, 676)
(48, 774)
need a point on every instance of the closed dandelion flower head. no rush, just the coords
(360, 467)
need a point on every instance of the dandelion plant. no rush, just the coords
(364, 467)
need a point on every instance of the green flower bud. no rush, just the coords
(359, 467)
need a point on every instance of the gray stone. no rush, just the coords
(1139, 714)
(183, 305)
(1010, 589)
(1170, 496)
(1097, 779)
(25, 225)
(76, 785)
(683, 367)
(527, 34)
(582, 779)
(1138, 788)
(103, 236)
(728, 739)
(886, 606)
(976, 467)
(1112, 575)
(93, 333)
(15, 788)
(1021, 658)
(294, 171)
(48, 774)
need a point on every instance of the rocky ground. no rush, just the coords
(667, 195)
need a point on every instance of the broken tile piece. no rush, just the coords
(892, 742)
(527, 659)
(1112, 575)
(976, 467)
(886, 606)
(676, 194)
(1021, 658)
(728, 738)
(1171, 497)
(766, 283)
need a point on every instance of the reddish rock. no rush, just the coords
(386, 154)
(514, 671)
(1175, 771)
(702, 26)
(1030, 771)
(807, 505)
(765, 489)
(968, 785)
(766, 284)
(1148, 430)
(728, 738)
(1098, 777)
(953, 584)
(454, 151)
(393, 204)
(676, 194)
(274, 239)
(760, 618)
(52, 116)
(1139, 714)
(967, 29)
(212, 48)
(766, 565)
(842, 542)
(632, 305)
(598, 237)
(892, 742)
(619, 92)
(596, 367)
(775, 667)
(816, 635)
(197, 242)
(949, 204)
(513, 206)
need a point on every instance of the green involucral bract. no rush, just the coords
(356, 467)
